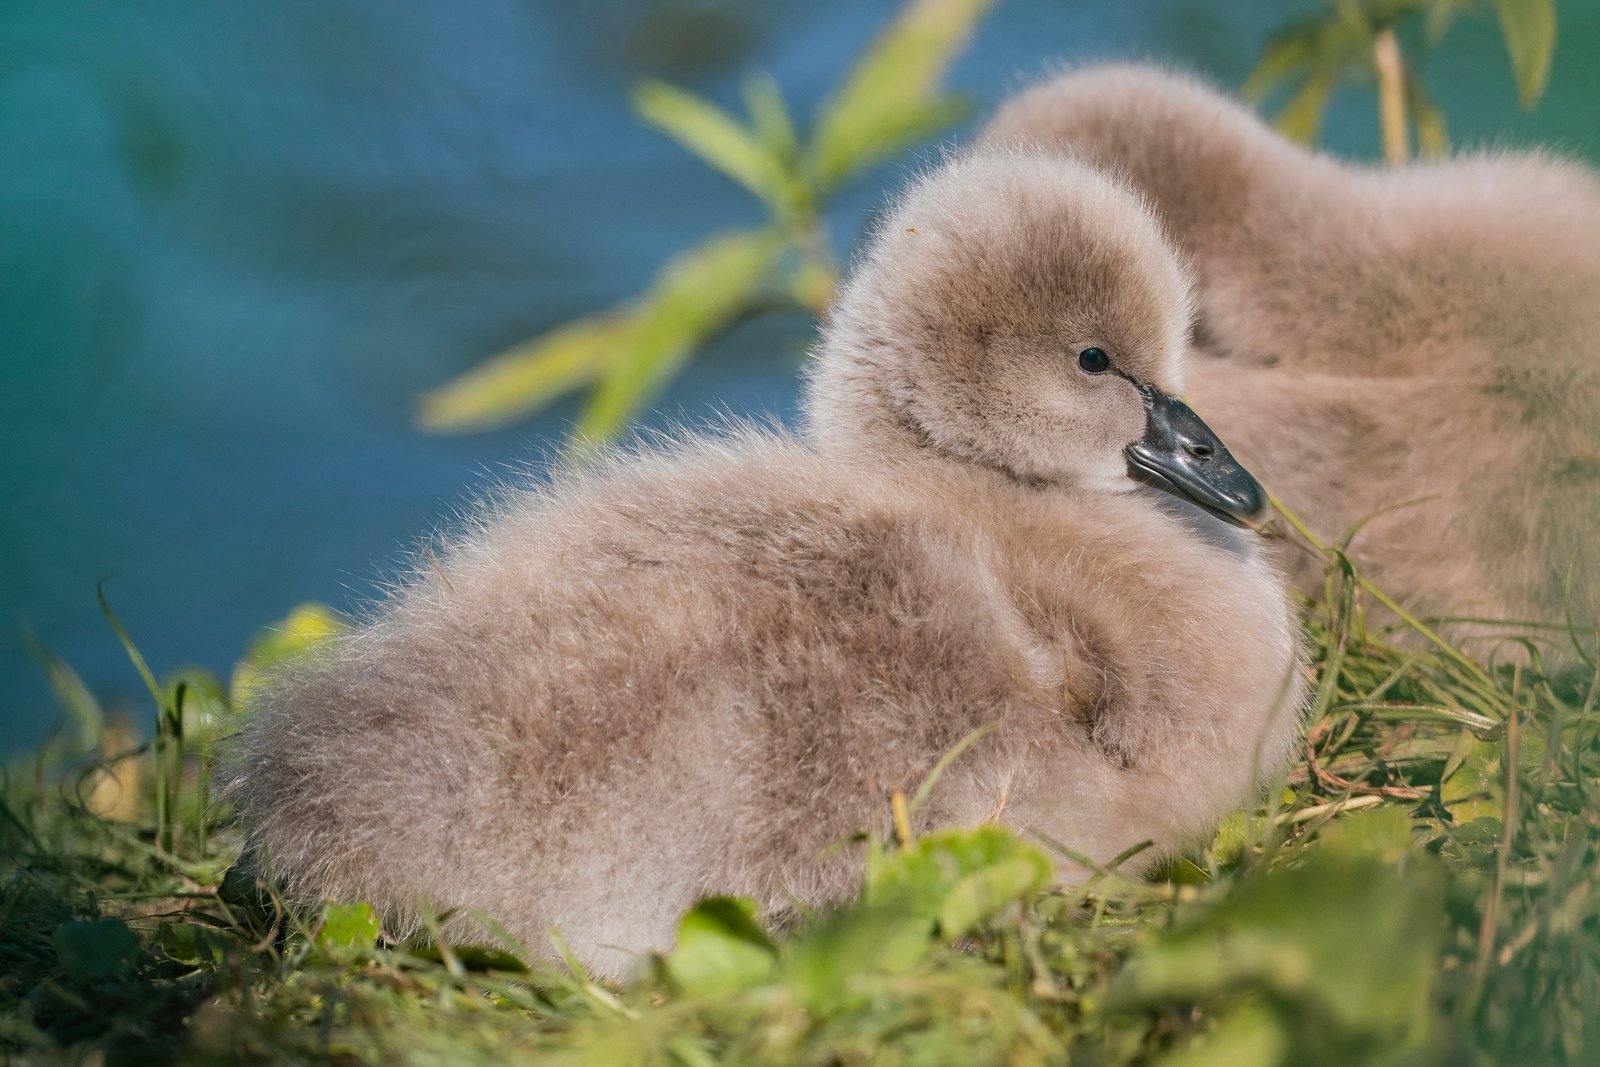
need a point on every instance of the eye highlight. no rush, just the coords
(1094, 360)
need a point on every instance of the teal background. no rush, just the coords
(236, 241)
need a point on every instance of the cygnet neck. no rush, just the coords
(850, 429)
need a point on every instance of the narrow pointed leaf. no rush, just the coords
(1529, 27)
(769, 116)
(1441, 15)
(696, 295)
(1286, 55)
(1433, 138)
(713, 135)
(1301, 118)
(82, 710)
(529, 377)
(892, 94)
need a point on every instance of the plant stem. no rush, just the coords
(1391, 96)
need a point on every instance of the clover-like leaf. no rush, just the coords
(347, 928)
(958, 878)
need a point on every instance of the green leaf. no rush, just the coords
(1348, 939)
(1481, 725)
(1441, 13)
(95, 951)
(301, 630)
(134, 655)
(1529, 27)
(920, 797)
(76, 702)
(986, 892)
(188, 942)
(204, 704)
(1228, 846)
(1179, 870)
(530, 376)
(347, 928)
(1471, 788)
(721, 946)
(891, 96)
(713, 135)
(1323, 44)
(1247, 1036)
(696, 295)
(1433, 138)
(1286, 55)
(868, 939)
(1301, 118)
(769, 115)
(955, 875)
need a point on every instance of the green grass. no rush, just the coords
(1423, 887)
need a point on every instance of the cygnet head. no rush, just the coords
(1025, 313)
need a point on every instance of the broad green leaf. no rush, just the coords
(1382, 834)
(1179, 870)
(302, 629)
(963, 876)
(891, 96)
(95, 951)
(347, 928)
(1247, 1036)
(721, 946)
(1471, 789)
(868, 939)
(1301, 118)
(713, 135)
(190, 942)
(695, 296)
(528, 377)
(1228, 846)
(986, 892)
(1529, 27)
(1347, 939)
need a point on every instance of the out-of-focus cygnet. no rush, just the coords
(1418, 347)
(702, 668)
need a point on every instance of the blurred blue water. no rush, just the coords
(236, 241)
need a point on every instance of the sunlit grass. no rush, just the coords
(1422, 887)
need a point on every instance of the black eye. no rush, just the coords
(1094, 360)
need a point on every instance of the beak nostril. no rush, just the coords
(1199, 451)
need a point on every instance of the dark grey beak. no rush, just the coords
(1180, 454)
